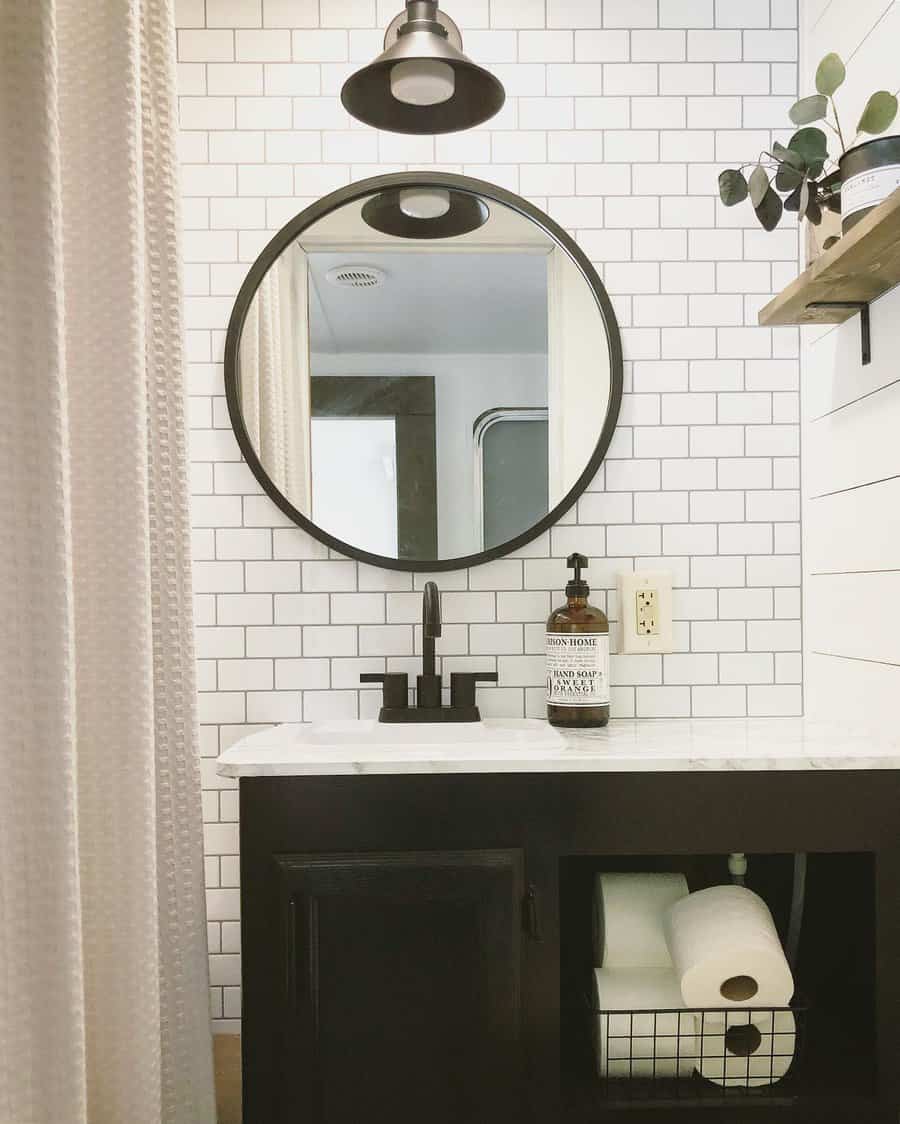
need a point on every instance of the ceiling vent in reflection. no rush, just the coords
(356, 277)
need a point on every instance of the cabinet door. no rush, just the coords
(402, 997)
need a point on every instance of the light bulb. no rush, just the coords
(422, 82)
(424, 202)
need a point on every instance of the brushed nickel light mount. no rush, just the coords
(422, 82)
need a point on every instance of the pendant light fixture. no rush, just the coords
(422, 82)
(425, 212)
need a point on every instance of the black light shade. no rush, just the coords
(385, 213)
(426, 36)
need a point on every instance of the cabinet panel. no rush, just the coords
(401, 986)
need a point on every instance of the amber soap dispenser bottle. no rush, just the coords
(578, 657)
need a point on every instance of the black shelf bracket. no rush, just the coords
(864, 329)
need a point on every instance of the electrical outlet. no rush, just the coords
(645, 611)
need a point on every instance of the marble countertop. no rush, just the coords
(624, 746)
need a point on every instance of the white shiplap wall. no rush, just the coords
(851, 419)
(618, 119)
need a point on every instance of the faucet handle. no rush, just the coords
(462, 685)
(396, 688)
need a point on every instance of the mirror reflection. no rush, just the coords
(424, 373)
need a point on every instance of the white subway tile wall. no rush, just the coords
(618, 118)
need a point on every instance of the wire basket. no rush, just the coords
(715, 1052)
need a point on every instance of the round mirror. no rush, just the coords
(423, 371)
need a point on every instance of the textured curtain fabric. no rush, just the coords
(274, 370)
(103, 971)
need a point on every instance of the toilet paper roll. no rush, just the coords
(642, 1029)
(628, 918)
(746, 1048)
(725, 950)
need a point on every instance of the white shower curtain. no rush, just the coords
(274, 370)
(103, 976)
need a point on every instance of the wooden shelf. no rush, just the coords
(863, 265)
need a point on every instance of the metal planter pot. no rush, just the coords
(870, 172)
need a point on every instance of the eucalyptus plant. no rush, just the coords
(802, 176)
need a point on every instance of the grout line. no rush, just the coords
(850, 573)
(853, 401)
(855, 487)
(854, 659)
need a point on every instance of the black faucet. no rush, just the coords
(428, 706)
(429, 684)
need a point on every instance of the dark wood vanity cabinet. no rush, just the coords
(402, 984)
(418, 948)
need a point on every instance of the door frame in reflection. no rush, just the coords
(410, 401)
(479, 430)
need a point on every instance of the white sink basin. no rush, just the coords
(362, 740)
(511, 733)
(332, 748)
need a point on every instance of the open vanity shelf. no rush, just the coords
(863, 265)
(833, 1008)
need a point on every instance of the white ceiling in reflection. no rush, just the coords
(431, 302)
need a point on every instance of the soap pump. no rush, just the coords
(578, 657)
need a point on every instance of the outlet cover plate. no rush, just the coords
(630, 585)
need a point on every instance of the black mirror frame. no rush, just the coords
(325, 206)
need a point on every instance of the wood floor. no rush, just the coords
(227, 1055)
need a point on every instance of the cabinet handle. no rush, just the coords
(531, 921)
(291, 974)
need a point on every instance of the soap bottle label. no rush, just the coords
(578, 669)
